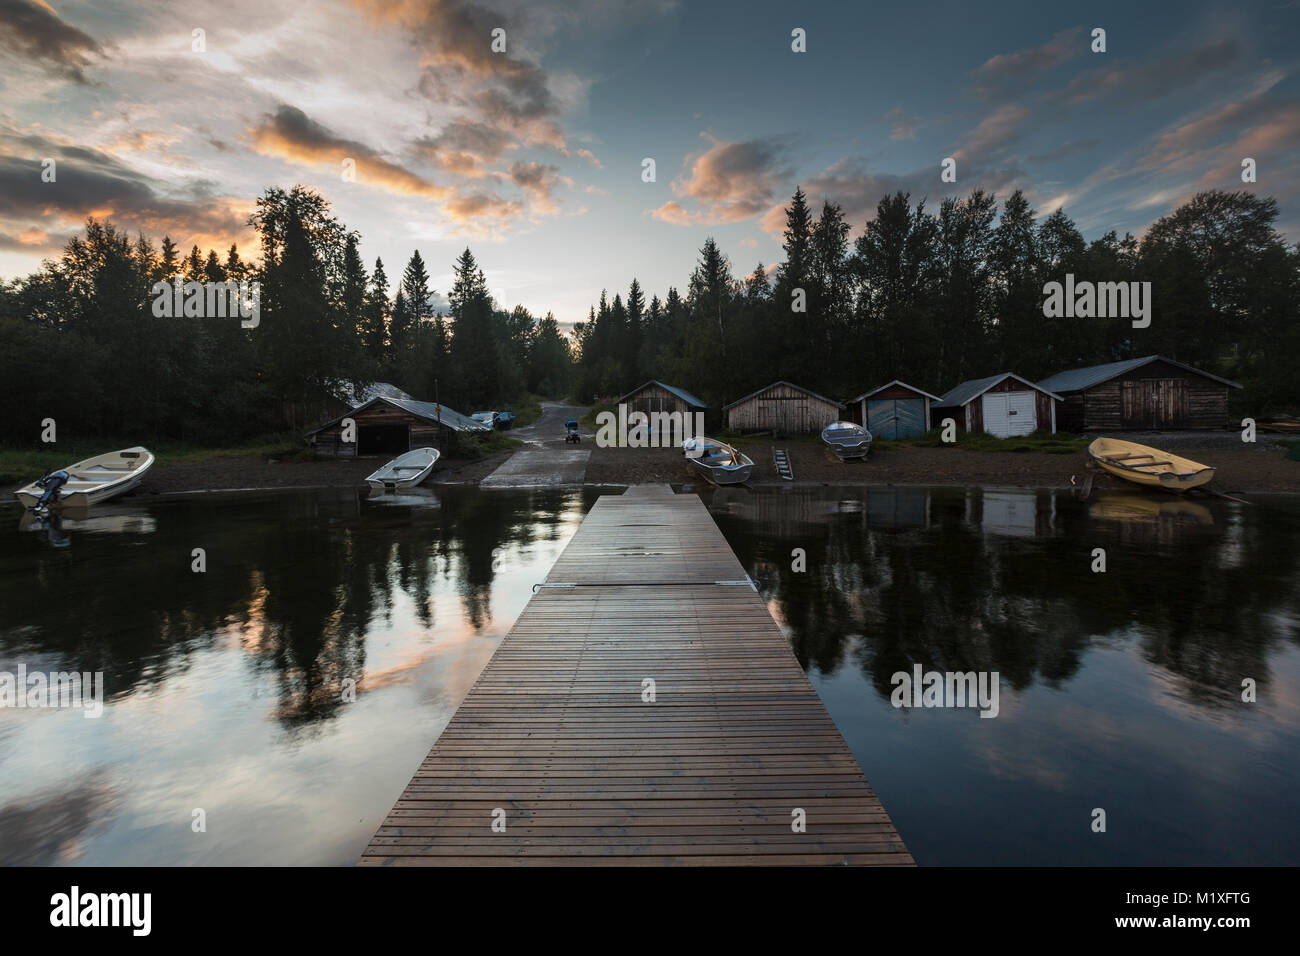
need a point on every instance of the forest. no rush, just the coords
(80, 343)
(932, 297)
(935, 298)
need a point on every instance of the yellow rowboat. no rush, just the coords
(1148, 466)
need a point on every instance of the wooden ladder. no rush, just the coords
(782, 462)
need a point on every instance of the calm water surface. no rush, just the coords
(1118, 690)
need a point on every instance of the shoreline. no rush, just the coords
(1240, 471)
(1261, 469)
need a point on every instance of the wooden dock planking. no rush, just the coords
(555, 732)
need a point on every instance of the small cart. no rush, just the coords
(571, 432)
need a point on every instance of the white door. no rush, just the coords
(1009, 413)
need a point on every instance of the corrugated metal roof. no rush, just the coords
(426, 410)
(1077, 379)
(681, 393)
(799, 388)
(976, 387)
(356, 395)
(448, 416)
(896, 381)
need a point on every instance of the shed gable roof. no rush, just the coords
(896, 381)
(797, 388)
(681, 393)
(1078, 379)
(968, 391)
(428, 411)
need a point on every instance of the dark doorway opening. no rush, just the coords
(383, 439)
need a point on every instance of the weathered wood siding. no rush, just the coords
(421, 433)
(782, 409)
(653, 398)
(1157, 395)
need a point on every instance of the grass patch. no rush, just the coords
(527, 411)
(589, 419)
(1293, 450)
(471, 446)
(1045, 443)
(1061, 443)
(28, 464)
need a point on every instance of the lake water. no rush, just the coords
(1118, 690)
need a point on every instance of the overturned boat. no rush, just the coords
(88, 482)
(847, 439)
(1149, 467)
(717, 461)
(405, 471)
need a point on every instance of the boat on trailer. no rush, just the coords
(405, 471)
(1149, 467)
(848, 440)
(717, 461)
(89, 482)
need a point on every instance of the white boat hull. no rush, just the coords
(405, 471)
(96, 480)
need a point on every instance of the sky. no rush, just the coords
(533, 156)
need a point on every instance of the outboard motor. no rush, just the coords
(51, 483)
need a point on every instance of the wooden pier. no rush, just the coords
(561, 747)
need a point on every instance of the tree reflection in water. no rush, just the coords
(973, 579)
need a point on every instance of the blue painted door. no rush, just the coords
(896, 417)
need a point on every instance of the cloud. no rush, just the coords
(92, 183)
(31, 239)
(291, 134)
(1155, 76)
(459, 66)
(904, 125)
(538, 181)
(465, 147)
(1012, 70)
(1067, 149)
(590, 157)
(33, 31)
(727, 183)
(992, 134)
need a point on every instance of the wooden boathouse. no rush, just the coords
(1004, 405)
(391, 426)
(783, 409)
(655, 397)
(895, 410)
(1144, 393)
(645, 709)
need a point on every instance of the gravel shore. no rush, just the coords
(1242, 468)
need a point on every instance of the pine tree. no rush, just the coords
(377, 311)
(473, 346)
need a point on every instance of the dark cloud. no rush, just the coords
(464, 147)
(728, 182)
(1154, 76)
(1008, 71)
(461, 67)
(293, 135)
(88, 182)
(33, 31)
(1072, 148)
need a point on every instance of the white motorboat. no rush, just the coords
(405, 471)
(91, 481)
